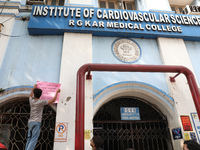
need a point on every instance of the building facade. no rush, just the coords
(50, 40)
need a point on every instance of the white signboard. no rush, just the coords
(61, 132)
(130, 113)
(196, 123)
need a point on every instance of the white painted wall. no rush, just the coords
(189, 2)
(80, 2)
(194, 53)
(29, 59)
(95, 3)
(88, 111)
(140, 5)
(6, 29)
(102, 53)
(157, 5)
(77, 50)
(174, 52)
(11, 0)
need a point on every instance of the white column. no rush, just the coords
(174, 52)
(77, 51)
(88, 111)
(157, 5)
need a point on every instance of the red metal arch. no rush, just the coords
(80, 89)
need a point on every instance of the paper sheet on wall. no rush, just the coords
(177, 133)
(186, 136)
(193, 136)
(87, 135)
(48, 90)
(196, 123)
(187, 126)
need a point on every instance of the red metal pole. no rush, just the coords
(195, 92)
(80, 93)
(80, 110)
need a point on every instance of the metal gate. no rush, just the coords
(149, 133)
(14, 126)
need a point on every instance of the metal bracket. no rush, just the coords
(172, 79)
(89, 76)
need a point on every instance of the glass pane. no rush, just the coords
(173, 8)
(61, 2)
(111, 5)
(129, 6)
(180, 9)
(53, 2)
(102, 4)
(185, 11)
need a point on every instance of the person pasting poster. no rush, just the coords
(48, 90)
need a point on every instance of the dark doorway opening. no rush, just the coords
(149, 133)
(14, 125)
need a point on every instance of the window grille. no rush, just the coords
(149, 133)
(14, 126)
(115, 4)
(45, 2)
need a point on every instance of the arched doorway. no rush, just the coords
(149, 133)
(14, 125)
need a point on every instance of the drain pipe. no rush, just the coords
(80, 89)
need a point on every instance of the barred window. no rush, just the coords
(116, 4)
(14, 125)
(45, 2)
(177, 9)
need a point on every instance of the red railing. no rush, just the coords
(80, 89)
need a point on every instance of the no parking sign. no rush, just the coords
(61, 132)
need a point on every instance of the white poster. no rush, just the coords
(196, 123)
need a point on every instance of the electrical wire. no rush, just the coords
(7, 19)
(10, 35)
(13, 35)
(3, 8)
(2, 11)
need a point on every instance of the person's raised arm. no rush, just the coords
(55, 97)
(35, 86)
